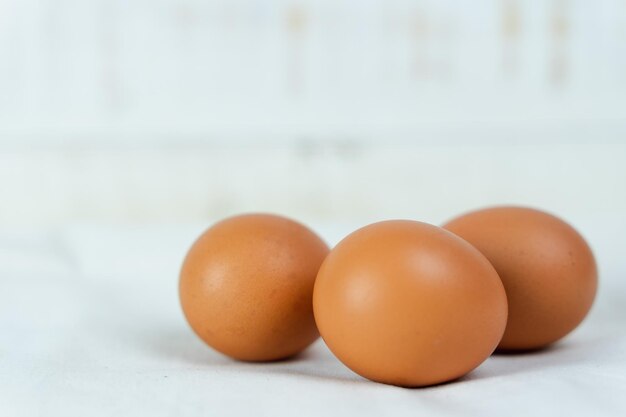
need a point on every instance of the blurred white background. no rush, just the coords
(183, 111)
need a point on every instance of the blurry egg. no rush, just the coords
(410, 304)
(246, 286)
(547, 268)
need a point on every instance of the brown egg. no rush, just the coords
(410, 304)
(246, 286)
(547, 268)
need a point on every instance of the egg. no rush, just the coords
(246, 286)
(548, 271)
(410, 304)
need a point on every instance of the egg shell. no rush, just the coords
(410, 304)
(548, 270)
(246, 286)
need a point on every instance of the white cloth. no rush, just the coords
(90, 326)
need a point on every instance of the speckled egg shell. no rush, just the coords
(246, 286)
(410, 304)
(548, 271)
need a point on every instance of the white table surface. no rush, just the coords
(90, 325)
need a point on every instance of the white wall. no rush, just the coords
(164, 110)
(247, 67)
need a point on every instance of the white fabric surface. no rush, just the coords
(90, 325)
